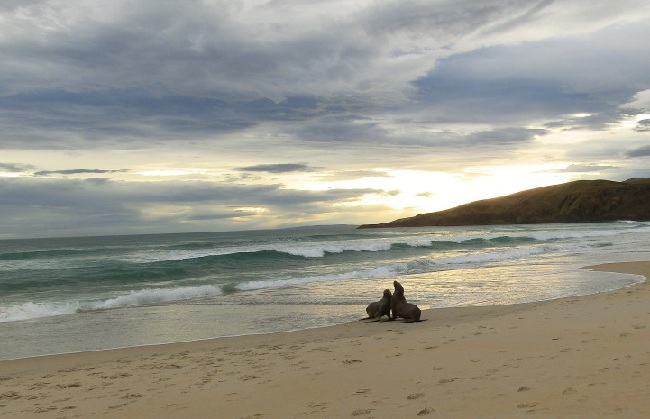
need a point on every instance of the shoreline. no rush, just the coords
(343, 320)
(568, 357)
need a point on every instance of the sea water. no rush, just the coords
(92, 293)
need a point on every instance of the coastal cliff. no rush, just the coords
(582, 201)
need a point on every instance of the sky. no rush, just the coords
(160, 116)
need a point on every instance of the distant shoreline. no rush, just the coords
(582, 201)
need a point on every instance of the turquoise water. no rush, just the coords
(73, 294)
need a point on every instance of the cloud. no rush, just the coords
(388, 74)
(353, 175)
(643, 125)
(101, 207)
(240, 48)
(543, 79)
(15, 167)
(584, 168)
(278, 168)
(155, 70)
(638, 152)
(640, 101)
(505, 136)
(349, 90)
(60, 119)
(526, 17)
(222, 46)
(76, 172)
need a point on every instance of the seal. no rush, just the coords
(400, 308)
(379, 308)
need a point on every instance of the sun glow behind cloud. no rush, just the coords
(253, 210)
(418, 191)
(10, 174)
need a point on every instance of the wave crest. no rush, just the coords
(34, 310)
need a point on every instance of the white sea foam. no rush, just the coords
(31, 310)
(295, 248)
(311, 250)
(482, 258)
(420, 265)
(154, 296)
(380, 272)
(318, 249)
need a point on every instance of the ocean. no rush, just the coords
(62, 295)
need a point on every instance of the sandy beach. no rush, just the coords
(575, 357)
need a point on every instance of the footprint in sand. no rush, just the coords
(43, 409)
(317, 407)
(62, 386)
(12, 395)
(526, 405)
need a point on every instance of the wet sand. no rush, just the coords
(574, 357)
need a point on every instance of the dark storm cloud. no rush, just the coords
(278, 168)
